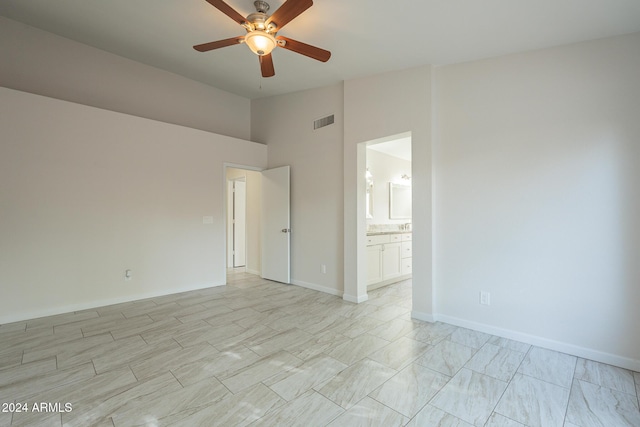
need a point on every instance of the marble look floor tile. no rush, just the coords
(469, 338)
(148, 310)
(355, 382)
(135, 395)
(496, 362)
(129, 331)
(432, 416)
(38, 339)
(497, 420)
(117, 354)
(359, 326)
(323, 342)
(224, 319)
(85, 394)
(44, 382)
(222, 365)
(446, 357)
(10, 358)
(591, 405)
(66, 347)
(13, 327)
(61, 319)
(118, 308)
(5, 419)
(470, 396)
(208, 313)
(432, 333)
(369, 413)
(307, 410)
(236, 410)
(171, 359)
(325, 323)
(394, 329)
(158, 336)
(605, 375)
(166, 408)
(534, 402)
(260, 370)
(636, 376)
(299, 380)
(110, 318)
(181, 312)
(357, 349)
(388, 313)
(9, 377)
(510, 344)
(410, 389)
(106, 327)
(205, 333)
(399, 353)
(36, 419)
(280, 341)
(550, 366)
(249, 338)
(261, 319)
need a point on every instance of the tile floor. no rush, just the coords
(265, 354)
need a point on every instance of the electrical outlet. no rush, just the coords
(485, 298)
(323, 269)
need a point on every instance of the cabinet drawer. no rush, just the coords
(407, 250)
(406, 237)
(406, 266)
(377, 239)
(395, 238)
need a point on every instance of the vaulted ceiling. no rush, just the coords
(365, 37)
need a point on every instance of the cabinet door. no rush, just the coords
(374, 264)
(391, 256)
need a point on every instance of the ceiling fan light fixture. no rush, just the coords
(260, 42)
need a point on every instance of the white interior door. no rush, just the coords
(239, 223)
(276, 226)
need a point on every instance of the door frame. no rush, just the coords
(225, 203)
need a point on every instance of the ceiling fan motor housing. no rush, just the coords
(261, 6)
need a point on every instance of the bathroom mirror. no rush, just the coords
(399, 201)
(369, 201)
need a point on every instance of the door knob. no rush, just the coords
(286, 230)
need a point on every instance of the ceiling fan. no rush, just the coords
(262, 32)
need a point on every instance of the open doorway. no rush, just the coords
(388, 213)
(243, 218)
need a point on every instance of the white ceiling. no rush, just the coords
(400, 148)
(365, 37)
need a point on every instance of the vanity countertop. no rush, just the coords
(379, 233)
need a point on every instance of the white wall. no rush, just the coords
(253, 219)
(376, 107)
(385, 169)
(46, 64)
(285, 123)
(538, 197)
(86, 193)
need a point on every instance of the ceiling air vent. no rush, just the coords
(325, 121)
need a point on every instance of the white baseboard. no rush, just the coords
(316, 287)
(35, 314)
(574, 350)
(256, 272)
(354, 299)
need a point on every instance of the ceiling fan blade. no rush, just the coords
(266, 65)
(206, 47)
(227, 10)
(305, 49)
(288, 11)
